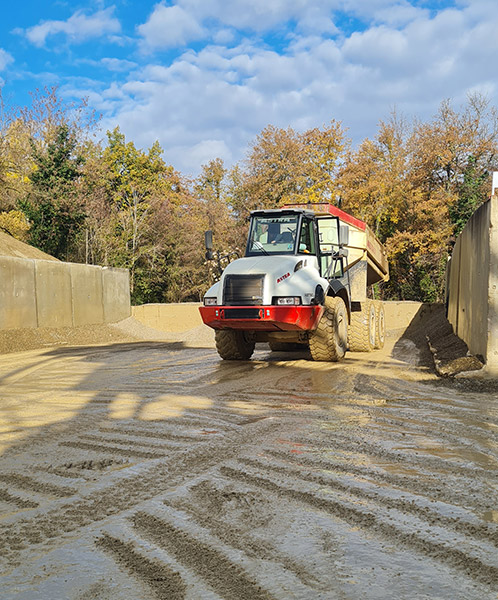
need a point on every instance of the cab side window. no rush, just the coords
(307, 239)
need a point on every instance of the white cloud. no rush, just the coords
(257, 15)
(214, 101)
(116, 64)
(78, 28)
(203, 152)
(170, 26)
(5, 59)
(187, 20)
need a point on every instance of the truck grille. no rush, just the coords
(242, 313)
(243, 290)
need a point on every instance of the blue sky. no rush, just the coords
(204, 77)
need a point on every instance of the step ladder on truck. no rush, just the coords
(303, 282)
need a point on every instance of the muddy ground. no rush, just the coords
(142, 469)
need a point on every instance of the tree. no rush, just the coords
(131, 197)
(417, 188)
(374, 182)
(52, 206)
(471, 192)
(286, 167)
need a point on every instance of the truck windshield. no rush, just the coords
(272, 235)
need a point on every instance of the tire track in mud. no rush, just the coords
(9, 498)
(162, 580)
(224, 576)
(201, 507)
(428, 486)
(149, 433)
(473, 567)
(121, 492)
(412, 456)
(430, 516)
(74, 470)
(440, 427)
(142, 444)
(104, 449)
(34, 485)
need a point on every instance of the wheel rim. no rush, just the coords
(342, 329)
(382, 327)
(371, 325)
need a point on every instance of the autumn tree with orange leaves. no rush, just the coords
(415, 183)
(417, 186)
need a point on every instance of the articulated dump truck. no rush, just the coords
(303, 282)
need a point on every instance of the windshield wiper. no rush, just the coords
(259, 246)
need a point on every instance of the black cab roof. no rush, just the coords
(283, 211)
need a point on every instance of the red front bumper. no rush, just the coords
(262, 318)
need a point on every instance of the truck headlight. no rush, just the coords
(210, 301)
(288, 300)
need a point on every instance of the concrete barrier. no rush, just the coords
(17, 293)
(87, 295)
(174, 317)
(41, 293)
(473, 284)
(53, 294)
(116, 294)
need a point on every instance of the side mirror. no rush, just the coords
(208, 240)
(343, 235)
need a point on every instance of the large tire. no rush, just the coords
(233, 345)
(329, 340)
(361, 332)
(380, 324)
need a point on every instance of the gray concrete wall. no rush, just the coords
(17, 293)
(53, 294)
(116, 294)
(492, 355)
(41, 293)
(473, 281)
(87, 295)
(174, 317)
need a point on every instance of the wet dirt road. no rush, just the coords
(151, 470)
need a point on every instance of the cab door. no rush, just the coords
(329, 259)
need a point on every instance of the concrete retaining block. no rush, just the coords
(116, 291)
(492, 353)
(175, 317)
(53, 294)
(42, 293)
(17, 293)
(87, 295)
(473, 284)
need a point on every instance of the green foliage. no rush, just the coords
(15, 224)
(471, 194)
(52, 208)
(416, 185)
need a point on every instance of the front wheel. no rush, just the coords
(329, 341)
(233, 345)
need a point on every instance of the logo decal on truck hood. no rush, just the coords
(280, 279)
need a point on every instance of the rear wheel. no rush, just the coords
(380, 324)
(329, 341)
(233, 345)
(362, 329)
